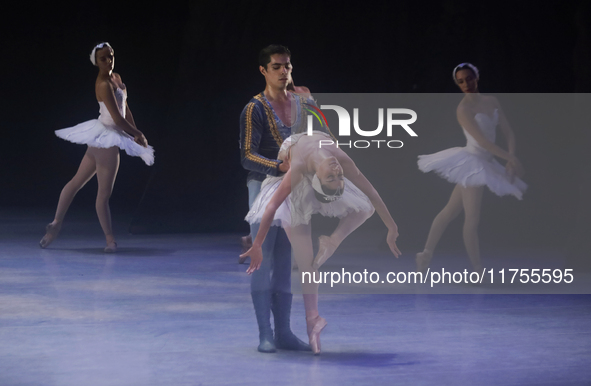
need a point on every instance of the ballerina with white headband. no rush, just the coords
(320, 180)
(113, 130)
(472, 167)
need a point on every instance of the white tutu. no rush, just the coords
(472, 165)
(301, 204)
(103, 133)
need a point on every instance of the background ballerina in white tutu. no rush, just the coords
(114, 129)
(472, 167)
(320, 180)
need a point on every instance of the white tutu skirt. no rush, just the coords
(301, 204)
(94, 133)
(460, 166)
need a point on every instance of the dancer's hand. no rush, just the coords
(391, 240)
(141, 140)
(514, 168)
(510, 172)
(256, 258)
(286, 164)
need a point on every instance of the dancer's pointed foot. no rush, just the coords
(246, 242)
(423, 260)
(326, 248)
(111, 247)
(51, 231)
(315, 327)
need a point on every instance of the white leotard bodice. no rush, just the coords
(488, 128)
(105, 117)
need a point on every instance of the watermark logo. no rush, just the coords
(309, 108)
(394, 117)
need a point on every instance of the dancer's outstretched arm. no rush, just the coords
(359, 180)
(280, 195)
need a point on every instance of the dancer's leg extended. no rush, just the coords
(301, 242)
(107, 165)
(449, 212)
(85, 172)
(329, 244)
(471, 200)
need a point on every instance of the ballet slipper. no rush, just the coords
(111, 247)
(423, 260)
(262, 310)
(315, 326)
(51, 232)
(246, 242)
(326, 248)
(284, 338)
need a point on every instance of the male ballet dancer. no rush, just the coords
(265, 123)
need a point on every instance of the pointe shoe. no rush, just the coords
(315, 327)
(246, 245)
(111, 247)
(326, 249)
(51, 232)
(423, 260)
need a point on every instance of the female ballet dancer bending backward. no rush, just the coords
(318, 177)
(472, 167)
(114, 129)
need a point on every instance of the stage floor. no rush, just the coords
(176, 310)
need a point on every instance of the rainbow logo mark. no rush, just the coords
(309, 108)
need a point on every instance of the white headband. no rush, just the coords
(317, 186)
(98, 46)
(471, 66)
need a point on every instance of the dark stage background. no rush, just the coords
(190, 67)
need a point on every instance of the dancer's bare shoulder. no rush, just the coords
(464, 109)
(103, 89)
(118, 82)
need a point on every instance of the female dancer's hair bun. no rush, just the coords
(321, 195)
(98, 47)
(463, 66)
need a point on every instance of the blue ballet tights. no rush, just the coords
(275, 271)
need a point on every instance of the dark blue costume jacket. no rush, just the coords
(261, 135)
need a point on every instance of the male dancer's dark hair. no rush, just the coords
(265, 54)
